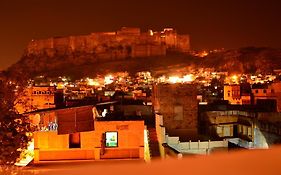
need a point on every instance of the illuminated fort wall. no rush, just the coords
(127, 42)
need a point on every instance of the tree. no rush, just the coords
(15, 128)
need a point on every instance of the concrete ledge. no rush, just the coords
(71, 154)
(89, 154)
(115, 153)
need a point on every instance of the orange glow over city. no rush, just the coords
(140, 87)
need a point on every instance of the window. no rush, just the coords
(178, 112)
(240, 130)
(245, 130)
(235, 93)
(250, 131)
(264, 91)
(257, 91)
(226, 131)
(219, 130)
(111, 139)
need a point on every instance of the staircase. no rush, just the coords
(24, 162)
(27, 155)
(153, 143)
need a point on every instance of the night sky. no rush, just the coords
(210, 23)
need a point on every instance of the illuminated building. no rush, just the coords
(80, 133)
(241, 125)
(268, 94)
(35, 98)
(233, 94)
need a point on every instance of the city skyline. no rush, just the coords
(215, 24)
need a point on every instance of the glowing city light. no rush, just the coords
(204, 54)
(234, 77)
(150, 32)
(63, 79)
(91, 82)
(108, 79)
(188, 78)
(162, 79)
(174, 79)
(60, 85)
(185, 79)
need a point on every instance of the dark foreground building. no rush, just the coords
(179, 107)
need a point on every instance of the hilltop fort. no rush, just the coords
(126, 42)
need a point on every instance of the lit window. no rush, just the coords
(219, 130)
(226, 131)
(245, 130)
(250, 131)
(111, 139)
(240, 130)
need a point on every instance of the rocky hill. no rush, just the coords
(82, 65)
(77, 65)
(245, 60)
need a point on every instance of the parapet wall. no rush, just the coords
(127, 42)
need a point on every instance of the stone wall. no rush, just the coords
(127, 42)
(148, 50)
(183, 43)
(179, 107)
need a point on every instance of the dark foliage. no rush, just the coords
(14, 127)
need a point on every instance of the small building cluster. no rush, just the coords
(145, 117)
